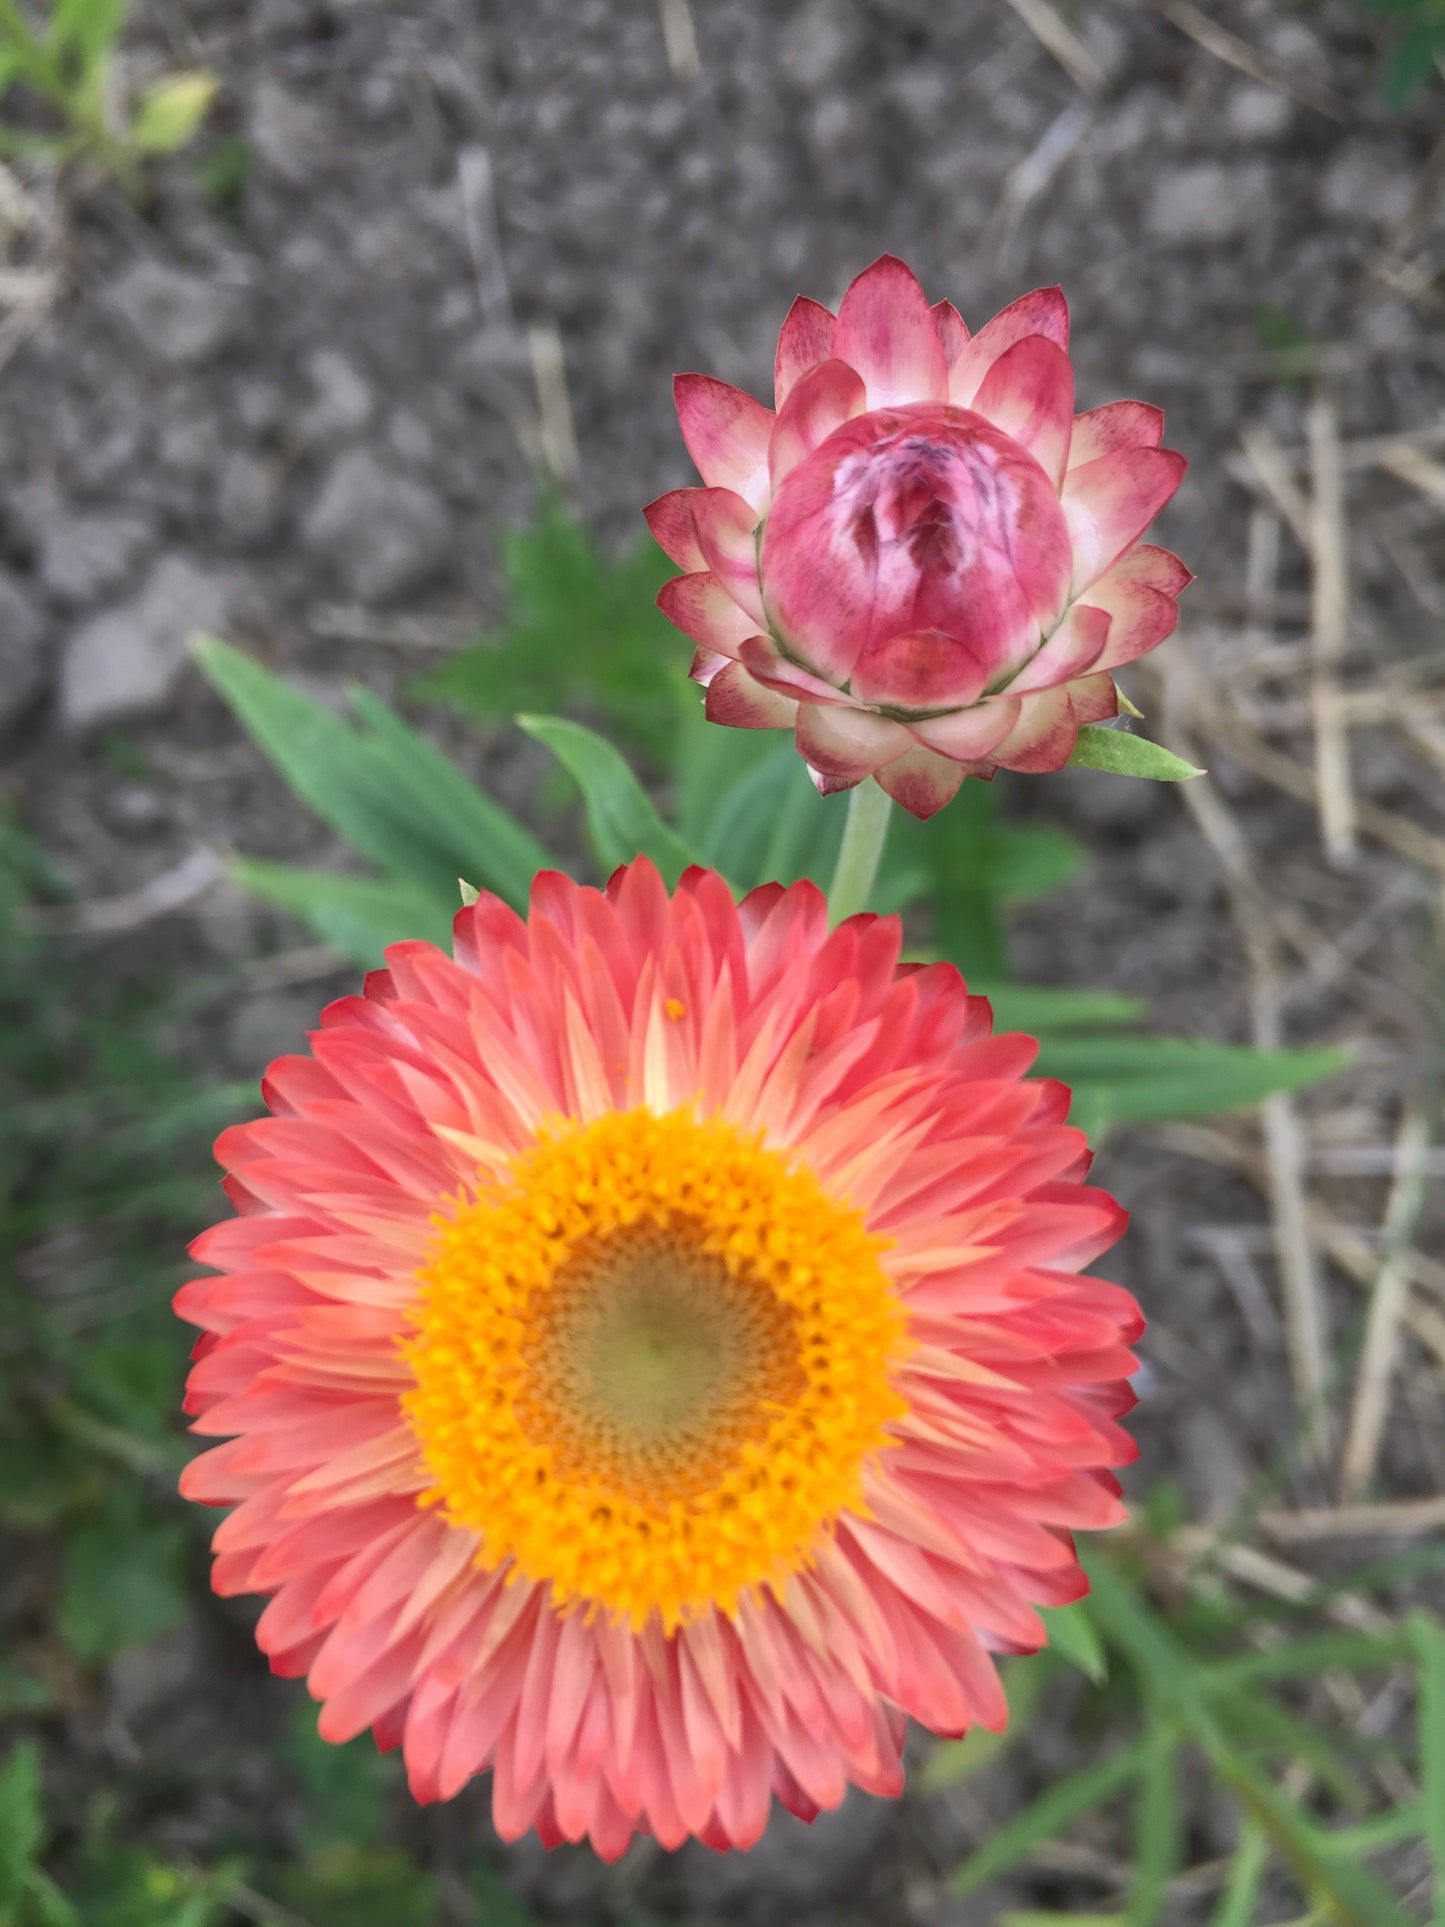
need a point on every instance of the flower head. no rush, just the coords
(923, 561)
(652, 1359)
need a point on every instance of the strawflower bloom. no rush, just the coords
(923, 562)
(653, 1360)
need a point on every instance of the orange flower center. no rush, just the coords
(651, 1363)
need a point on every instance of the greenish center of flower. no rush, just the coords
(653, 1356)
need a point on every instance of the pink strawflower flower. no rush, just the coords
(924, 562)
(654, 1360)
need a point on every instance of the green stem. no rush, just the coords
(864, 834)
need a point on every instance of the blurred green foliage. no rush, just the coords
(67, 64)
(1418, 44)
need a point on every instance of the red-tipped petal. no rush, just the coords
(921, 781)
(726, 527)
(924, 670)
(848, 742)
(1109, 503)
(738, 701)
(1094, 698)
(1044, 736)
(1153, 568)
(1141, 617)
(1044, 312)
(1029, 393)
(727, 435)
(702, 608)
(1073, 649)
(1118, 424)
(823, 400)
(772, 668)
(805, 340)
(952, 331)
(969, 735)
(670, 518)
(887, 332)
(705, 665)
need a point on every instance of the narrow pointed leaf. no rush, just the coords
(621, 821)
(1121, 754)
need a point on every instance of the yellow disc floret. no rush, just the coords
(651, 1362)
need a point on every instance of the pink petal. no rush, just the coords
(1044, 312)
(705, 665)
(1153, 568)
(847, 742)
(1029, 393)
(739, 701)
(1118, 424)
(805, 339)
(1109, 503)
(887, 332)
(968, 735)
(727, 433)
(923, 670)
(1094, 698)
(1044, 736)
(670, 518)
(1141, 617)
(702, 608)
(1075, 646)
(825, 398)
(773, 669)
(952, 333)
(921, 781)
(726, 527)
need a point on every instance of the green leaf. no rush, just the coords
(123, 1580)
(1064, 1802)
(1121, 754)
(577, 629)
(1039, 1010)
(1072, 1635)
(1121, 1080)
(22, 1827)
(1428, 1639)
(170, 112)
(1062, 1920)
(1158, 1828)
(1413, 62)
(87, 29)
(621, 821)
(1237, 1903)
(769, 824)
(380, 785)
(976, 867)
(360, 915)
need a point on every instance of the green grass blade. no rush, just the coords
(1064, 1802)
(1428, 1639)
(22, 1828)
(1122, 1080)
(1158, 1829)
(1041, 1011)
(621, 820)
(1237, 1903)
(1319, 1653)
(1074, 1637)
